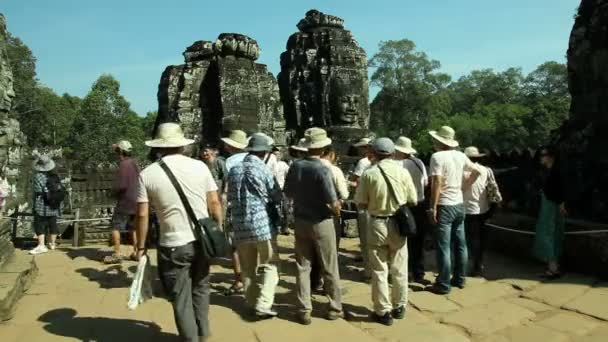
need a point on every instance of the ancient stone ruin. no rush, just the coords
(324, 81)
(220, 88)
(582, 139)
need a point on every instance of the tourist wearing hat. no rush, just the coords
(183, 268)
(45, 214)
(125, 192)
(363, 145)
(447, 210)
(216, 164)
(477, 205)
(234, 145)
(405, 153)
(387, 247)
(310, 186)
(251, 189)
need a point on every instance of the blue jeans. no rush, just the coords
(450, 232)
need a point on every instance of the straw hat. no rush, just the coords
(445, 135)
(258, 142)
(300, 146)
(363, 142)
(123, 145)
(404, 145)
(473, 152)
(169, 135)
(44, 163)
(316, 138)
(236, 139)
(383, 146)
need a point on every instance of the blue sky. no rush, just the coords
(75, 41)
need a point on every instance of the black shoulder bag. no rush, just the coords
(207, 232)
(403, 216)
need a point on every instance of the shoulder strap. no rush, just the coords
(182, 196)
(417, 165)
(389, 185)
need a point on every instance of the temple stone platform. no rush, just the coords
(77, 298)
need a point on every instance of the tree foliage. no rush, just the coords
(490, 109)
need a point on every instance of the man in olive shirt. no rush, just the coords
(386, 245)
(310, 185)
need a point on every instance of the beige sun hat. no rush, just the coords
(404, 145)
(473, 152)
(445, 135)
(169, 135)
(236, 139)
(363, 142)
(123, 145)
(316, 138)
(44, 163)
(300, 146)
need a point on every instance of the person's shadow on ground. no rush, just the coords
(64, 322)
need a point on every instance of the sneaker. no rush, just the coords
(333, 315)
(304, 318)
(39, 250)
(52, 246)
(398, 313)
(263, 314)
(436, 289)
(422, 281)
(458, 285)
(385, 319)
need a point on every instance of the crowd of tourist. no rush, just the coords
(255, 194)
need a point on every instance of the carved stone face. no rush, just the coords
(7, 92)
(347, 102)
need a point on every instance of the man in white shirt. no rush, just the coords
(328, 158)
(477, 208)
(415, 167)
(362, 216)
(183, 269)
(447, 208)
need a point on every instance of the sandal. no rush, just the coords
(235, 290)
(112, 259)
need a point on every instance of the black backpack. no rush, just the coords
(55, 193)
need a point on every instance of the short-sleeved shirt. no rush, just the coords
(280, 172)
(218, 171)
(362, 165)
(450, 165)
(310, 185)
(338, 178)
(418, 173)
(252, 187)
(374, 192)
(156, 188)
(125, 187)
(234, 160)
(39, 186)
(476, 196)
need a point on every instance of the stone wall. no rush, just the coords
(221, 88)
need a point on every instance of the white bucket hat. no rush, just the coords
(363, 142)
(316, 138)
(300, 146)
(44, 163)
(169, 135)
(473, 152)
(123, 145)
(236, 139)
(445, 135)
(404, 145)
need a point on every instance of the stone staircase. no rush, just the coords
(16, 276)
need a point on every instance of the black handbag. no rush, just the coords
(403, 216)
(207, 232)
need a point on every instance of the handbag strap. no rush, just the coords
(183, 198)
(389, 185)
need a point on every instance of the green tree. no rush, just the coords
(105, 117)
(411, 89)
(25, 83)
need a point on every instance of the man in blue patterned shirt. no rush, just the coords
(251, 188)
(45, 216)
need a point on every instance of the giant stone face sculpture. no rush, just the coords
(323, 79)
(582, 140)
(221, 88)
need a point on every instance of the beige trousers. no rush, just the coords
(259, 263)
(387, 247)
